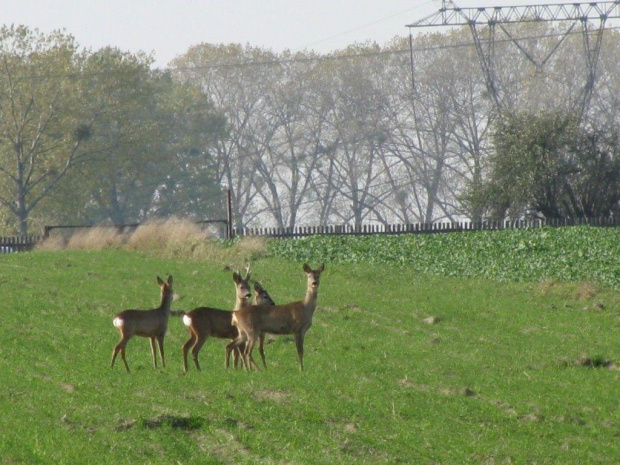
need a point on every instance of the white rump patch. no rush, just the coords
(118, 322)
(187, 320)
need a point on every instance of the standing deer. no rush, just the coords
(294, 318)
(261, 297)
(146, 323)
(204, 322)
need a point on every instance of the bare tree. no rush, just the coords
(233, 76)
(289, 160)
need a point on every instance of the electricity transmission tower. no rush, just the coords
(483, 23)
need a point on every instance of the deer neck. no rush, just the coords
(166, 301)
(309, 301)
(241, 302)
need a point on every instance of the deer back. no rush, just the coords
(212, 321)
(142, 322)
(273, 319)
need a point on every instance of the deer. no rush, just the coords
(261, 297)
(204, 322)
(145, 323)
(294, 318)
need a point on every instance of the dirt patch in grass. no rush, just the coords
(185, 423)
(407, 383)
(276, 396)
(597, 361)
(67, 387)
(238, 424)
(582, 295)
(225, 446)
(587, 291)
(466, 392)
(124, 425)
(582, 291)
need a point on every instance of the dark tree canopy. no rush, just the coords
(550, 164)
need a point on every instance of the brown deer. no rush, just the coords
(146, 323)
(261, 297)
(294, 318)
(205, 322)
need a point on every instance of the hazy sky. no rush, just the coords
(167, 28)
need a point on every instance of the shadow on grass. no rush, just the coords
(164, 421)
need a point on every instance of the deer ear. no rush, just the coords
(307, 268)
(169, 280)
(236, 277)
(159, 281)
(321, 268)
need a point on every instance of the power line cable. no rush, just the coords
(308, 59)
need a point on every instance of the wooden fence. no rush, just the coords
(422, 228)
(25, 243)
(121, 228)
(18, 243)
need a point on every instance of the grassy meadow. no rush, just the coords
(412, 358)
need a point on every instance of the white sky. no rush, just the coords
(167, 28)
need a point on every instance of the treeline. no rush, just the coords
(364, 134)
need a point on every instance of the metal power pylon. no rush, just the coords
(483, 21)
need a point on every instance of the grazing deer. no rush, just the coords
(146, 323)
(294, 318)
(204, 322)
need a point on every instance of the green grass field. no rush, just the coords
(505, 372)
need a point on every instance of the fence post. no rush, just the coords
(229, 226)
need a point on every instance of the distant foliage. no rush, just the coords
(551, 164)
(567, 254)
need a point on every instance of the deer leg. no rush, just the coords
(190, 342)
(248, 353)
(236, 355)
(199, 343)
(229, 349)
(120, 347)
(299, 342)
(160, 343)
(234, 345)
(239, 351)
(245, 343)
(124, 359)
(261, 350)
(153, 351)
(114, 354)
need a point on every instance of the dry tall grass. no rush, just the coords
(96, 239)
(171, 238)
